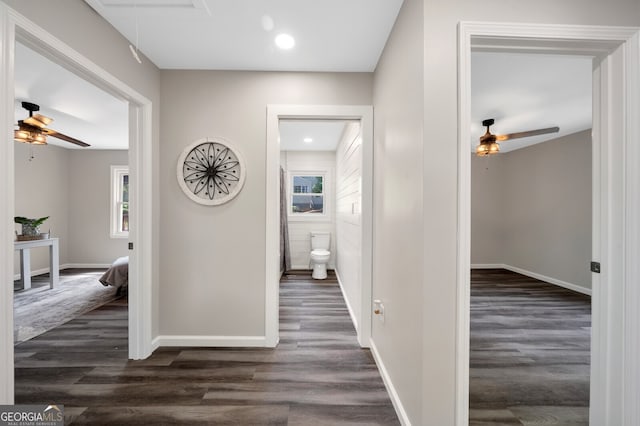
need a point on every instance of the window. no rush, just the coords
(119, 201)
(307, 195)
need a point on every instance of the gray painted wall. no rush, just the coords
(441, 19)
(213, 258)
(73, 187)
(75, 23)
(41, 189)
(398, 208)
(90, 188)
(531, 209)
(487, 209)
(415, 83)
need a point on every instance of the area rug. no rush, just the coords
(41, 308)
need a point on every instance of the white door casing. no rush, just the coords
(14, 26)
(615, 343)
(275, 113)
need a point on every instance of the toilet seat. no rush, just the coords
(320, 252)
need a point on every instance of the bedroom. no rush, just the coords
(72, 186)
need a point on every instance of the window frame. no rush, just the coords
(116, 201)
(325, 215)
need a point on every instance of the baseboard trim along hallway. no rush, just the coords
(317, 375)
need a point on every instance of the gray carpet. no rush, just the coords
(40, 308)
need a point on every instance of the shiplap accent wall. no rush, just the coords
(300, 228)
(348, 216)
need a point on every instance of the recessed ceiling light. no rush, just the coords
(285, 41)
(308, 140)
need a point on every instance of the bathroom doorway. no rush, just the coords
(322, 156)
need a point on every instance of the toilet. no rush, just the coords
(320, 254)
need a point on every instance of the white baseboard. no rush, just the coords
(487, 266)
(209, 341)
(393, 395)
(346, 301)
(550, 280)
(41, 271)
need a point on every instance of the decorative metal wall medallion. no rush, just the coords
(210, 171)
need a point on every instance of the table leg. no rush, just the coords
(54, 264)
(25, 268)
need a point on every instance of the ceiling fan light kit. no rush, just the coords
(488, 142)
(33, 129)
(33, 137)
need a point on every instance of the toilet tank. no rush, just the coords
(320, 240)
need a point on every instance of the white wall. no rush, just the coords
(398, 212)
(300, 228)
(348, 216)
(531, 210)
(73, 187)
(213, 258)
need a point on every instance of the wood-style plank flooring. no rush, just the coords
(318, 375)
(530, 351)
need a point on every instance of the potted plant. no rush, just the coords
(30, 226)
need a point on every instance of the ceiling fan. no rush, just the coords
(489, 142)
(33, 129)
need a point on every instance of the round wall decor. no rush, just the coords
(210, 171)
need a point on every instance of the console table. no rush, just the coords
(25, 260)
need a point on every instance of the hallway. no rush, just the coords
(317, 375)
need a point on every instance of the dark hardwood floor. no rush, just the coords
(530, 351)
(318, 375)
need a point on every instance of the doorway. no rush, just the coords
(614, 378)
(276, 113)
(68, 183)
(14, 27)
(531, 238)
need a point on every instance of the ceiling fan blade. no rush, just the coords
(527, 133)
(55, 134)
(38, 120)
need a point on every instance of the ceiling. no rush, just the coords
(330, 35)
(79, 109)
(527, 92)
(520, 91)
(310, 135)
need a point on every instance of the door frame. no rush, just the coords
(364, 114)
(16, 27)
(615, 343)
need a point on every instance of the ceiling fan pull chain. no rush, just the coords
(134, 51)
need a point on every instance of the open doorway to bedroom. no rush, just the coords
(615, 53)
(531, 233)
(81, 190)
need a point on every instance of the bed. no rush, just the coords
(117, 275)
